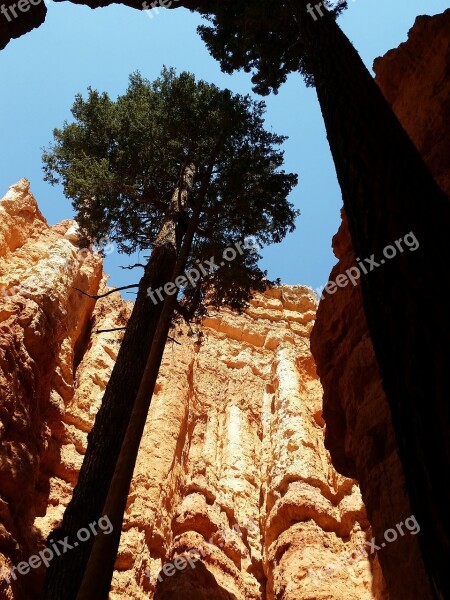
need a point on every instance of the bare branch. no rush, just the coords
(96, 297)
(133, 266)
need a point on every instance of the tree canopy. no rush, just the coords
(185, 170)
(260, 36)
(120, 161)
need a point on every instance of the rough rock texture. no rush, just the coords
(234, 437)
(46, 403)
(415, 79)
(235, 434)
(240, 405)
(359, 432)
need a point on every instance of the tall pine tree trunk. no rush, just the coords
(105, 439)
(388, 192)
(100, 567)
(99, 570)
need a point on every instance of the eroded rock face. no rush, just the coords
(46, 406)
(359, 431)
(415, 79)
(243, 448)
(232, 463)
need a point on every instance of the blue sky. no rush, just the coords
(77, 47)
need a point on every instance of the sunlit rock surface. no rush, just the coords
(232, 464)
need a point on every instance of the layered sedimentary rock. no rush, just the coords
(359, 433)
(232, 463)
(45, 335)
(241, 407)
(415, 79)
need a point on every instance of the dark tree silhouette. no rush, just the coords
(387, 192)
(186, 170)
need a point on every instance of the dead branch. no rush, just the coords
(96, 297)
(134, 266)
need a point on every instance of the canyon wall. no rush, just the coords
(47, 404)
(241, 407)
(415, 79)
(232, 463)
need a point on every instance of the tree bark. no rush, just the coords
(105, 439)
(388, 192)
(99, 570)
(100, 567)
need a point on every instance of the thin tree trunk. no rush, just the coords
(100, 567)
(99, 570)
(105, 439)
(388, 192)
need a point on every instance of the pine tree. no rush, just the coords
(387, 192)
(186, 171)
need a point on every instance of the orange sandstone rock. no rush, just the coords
(243, 441)
(45, 333)
(232, 464)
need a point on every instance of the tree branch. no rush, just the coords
(97, 296)
(133, 266)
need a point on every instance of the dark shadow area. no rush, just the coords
(192, 584)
